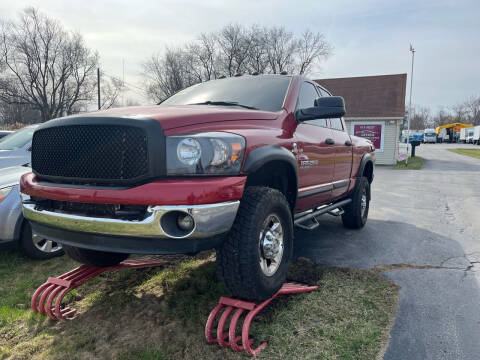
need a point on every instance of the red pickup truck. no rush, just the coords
(232, 164)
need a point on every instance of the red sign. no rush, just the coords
(372, 132)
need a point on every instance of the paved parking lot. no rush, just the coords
(424, 229)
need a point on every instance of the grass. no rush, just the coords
(475, 153)
(160, 313)
(414, 163)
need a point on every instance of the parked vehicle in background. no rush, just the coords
(429, 136)
(442, 136)
(414, 135)
(15, 147)
(13, 226)
(476, 135)
(469, 136)
(463, 135)
(231, 164)
(4, 133)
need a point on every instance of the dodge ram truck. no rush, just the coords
(231, 164)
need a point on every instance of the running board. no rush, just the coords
(302, 221)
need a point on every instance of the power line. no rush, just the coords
(123, 82)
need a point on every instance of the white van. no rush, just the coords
(429, 136)
(469, 136)
(463, 135)
(476, 135)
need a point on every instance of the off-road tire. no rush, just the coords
(239, 256)
(353, 217)
(94, 257)
(26, 243)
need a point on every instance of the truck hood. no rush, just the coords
(174, 116)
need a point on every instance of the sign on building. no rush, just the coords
(371, 130)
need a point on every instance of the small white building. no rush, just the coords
(375, 109)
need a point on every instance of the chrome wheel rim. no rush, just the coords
(44, 245)
(363, 203)
(271, 245)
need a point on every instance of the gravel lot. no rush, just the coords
(424, 233)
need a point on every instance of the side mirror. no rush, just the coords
(325, 108)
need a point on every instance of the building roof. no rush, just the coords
(370, 96)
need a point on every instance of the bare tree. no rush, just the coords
(257, 61)
(442, 117)
(311, 48)
(472, 107)
(421, 118)
(49, 69)
(281, 47)
(232, 50)
(201, 57)
(110, 90)
(167, 74)
(234, 44)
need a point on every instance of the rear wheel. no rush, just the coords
(253, 260)
(94, 257)
(37, 247)
(356, 213)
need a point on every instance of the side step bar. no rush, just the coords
(308, 221)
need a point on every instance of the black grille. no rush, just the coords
(90, 153)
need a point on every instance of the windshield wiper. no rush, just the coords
(225, 103)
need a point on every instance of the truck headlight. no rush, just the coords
(214, 153)
(189, 151)
(5, 191)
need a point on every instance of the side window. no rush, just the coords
(336, 124)
(323, 92)
(306, 96)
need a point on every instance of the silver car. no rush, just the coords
(13, 227)
(15, 148)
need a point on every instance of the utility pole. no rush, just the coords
(123, 82)
(98, 88)
(412, 50)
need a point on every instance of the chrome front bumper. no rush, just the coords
(210, 220)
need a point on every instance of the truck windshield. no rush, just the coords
(17, 140)
(257, 92)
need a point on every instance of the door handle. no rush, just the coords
(329, 141)
(348, 143)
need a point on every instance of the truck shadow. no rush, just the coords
(378, 243)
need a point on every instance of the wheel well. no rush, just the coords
(277, 175)
(368, 171)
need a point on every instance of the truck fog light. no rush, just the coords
(185, 222)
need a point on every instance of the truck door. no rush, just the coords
(343, 157)
(315, 155)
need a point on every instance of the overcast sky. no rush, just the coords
(370, 37)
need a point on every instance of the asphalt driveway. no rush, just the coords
(424, 231)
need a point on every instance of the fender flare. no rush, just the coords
(368, 157)
(268, 153)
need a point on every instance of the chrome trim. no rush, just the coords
(210, 219)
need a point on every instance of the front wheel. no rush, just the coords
(356, 213)
(253, 260)
(94, 257)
